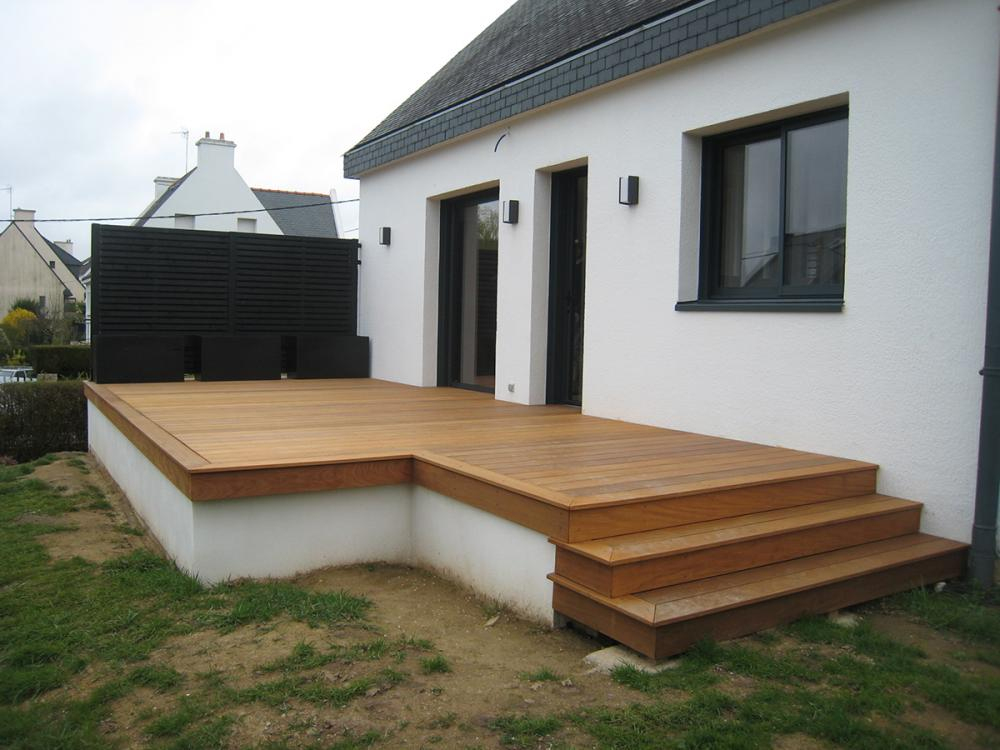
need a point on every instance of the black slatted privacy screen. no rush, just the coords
(148, 280)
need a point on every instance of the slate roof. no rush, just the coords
(314, 221)
(153, 207)
(529, 35)
(69, 260)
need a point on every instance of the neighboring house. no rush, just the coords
(36, 268)
(804, 262)
(87, 301)
(214, 186)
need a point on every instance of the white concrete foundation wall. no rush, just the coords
(497, 558)
(165, 509)
(280, 535)
(892, 379)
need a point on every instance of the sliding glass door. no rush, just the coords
(468, 304)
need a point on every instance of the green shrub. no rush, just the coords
(26, 303)
(66, 361)
(21, 327)
(40, 418)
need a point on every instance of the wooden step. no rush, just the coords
(666, 621)
(629, 563)
(718, 495)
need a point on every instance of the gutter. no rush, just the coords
(982, 557)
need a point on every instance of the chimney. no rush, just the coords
(66, 245)
(162, 185)
(25, 215)
(215, 153)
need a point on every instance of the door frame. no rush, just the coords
(450, 319)
(561, 228)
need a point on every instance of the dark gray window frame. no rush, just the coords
(711, 296)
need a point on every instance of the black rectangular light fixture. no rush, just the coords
(510, 211)
(628, 190)
(384, 235)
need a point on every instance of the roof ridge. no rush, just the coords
(290, 192)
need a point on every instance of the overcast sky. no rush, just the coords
(94, 89)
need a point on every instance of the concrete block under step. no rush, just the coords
(608, 659)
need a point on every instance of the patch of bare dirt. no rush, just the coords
(488, 662)
(937, 645)
(959, 734)
(100, 533)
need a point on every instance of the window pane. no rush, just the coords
(816, 207)
(478, 294)
(751, 215)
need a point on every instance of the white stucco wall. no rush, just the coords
(215, 186)
(495, 557)
(280, 535)
(163, 507)
(892, 379)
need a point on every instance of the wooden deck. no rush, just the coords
(536, 465)
(663, 537)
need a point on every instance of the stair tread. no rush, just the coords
(630, 548)
(685, 601)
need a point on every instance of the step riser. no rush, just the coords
(644, 575)
(595, 523)
(667, 640)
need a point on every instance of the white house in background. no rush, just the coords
(36, 268)
(214, 186)
(802, 260)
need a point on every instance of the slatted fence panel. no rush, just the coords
(149, 280)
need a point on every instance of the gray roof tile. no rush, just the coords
(529, 35)
(313, 221)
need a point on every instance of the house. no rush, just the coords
(36, 268)
(766, 220)
(676, 314)
(214, 196)
(85, 279)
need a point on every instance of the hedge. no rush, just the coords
(66, 361)
(40, 418)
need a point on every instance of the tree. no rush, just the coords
(26, 303)
(21, 326)
(489, 224)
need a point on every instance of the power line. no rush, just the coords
(174, 216)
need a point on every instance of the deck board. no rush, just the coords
(551, 454)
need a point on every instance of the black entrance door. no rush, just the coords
(467, 331)
(567, 270)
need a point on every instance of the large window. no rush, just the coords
(775, 211)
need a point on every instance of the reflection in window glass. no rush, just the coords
(751, 214)
(816, 208)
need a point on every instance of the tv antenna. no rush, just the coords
(184, 132)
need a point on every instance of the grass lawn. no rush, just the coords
(104, 643)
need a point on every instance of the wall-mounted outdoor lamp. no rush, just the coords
(510, 211)
(384, 235)
(628, 190)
